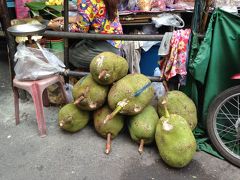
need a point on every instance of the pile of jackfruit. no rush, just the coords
(115, 98)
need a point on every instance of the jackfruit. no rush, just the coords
(181, 104)
(72, 119)
(108, 67)
(175, 141)
(142, 126)
(110, 129)
(89, 95)
(133, 92)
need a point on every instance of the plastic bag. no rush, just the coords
(168, 19)
(159, 89)
(33, 64)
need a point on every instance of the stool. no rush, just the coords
(36, 89)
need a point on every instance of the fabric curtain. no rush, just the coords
(217, 60)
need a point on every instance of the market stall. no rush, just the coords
(132, 91)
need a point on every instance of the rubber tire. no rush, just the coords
(211, 111)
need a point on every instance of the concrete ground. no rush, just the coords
(24, 155)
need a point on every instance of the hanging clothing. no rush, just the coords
(175, 63)
(92, 16)
(132, 53)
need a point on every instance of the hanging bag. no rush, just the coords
(168, 19)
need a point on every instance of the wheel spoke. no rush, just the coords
(238, 106)
(228, 111)
(233, 104)
(234, 145)
(235, 100)
(226, 115)
(236, 116)
(224, 118)
(232, 149)
(225, 130)
(225, 122)
(227, 142)
(227, 133)
(227, 127)
(238, 148)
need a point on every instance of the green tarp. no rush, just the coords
(211, 66)
(216, 61)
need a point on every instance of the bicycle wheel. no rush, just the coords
(223, 124)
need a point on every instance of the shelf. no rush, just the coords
(132, 13)
(145, 18)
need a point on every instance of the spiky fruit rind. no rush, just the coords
(95, 94)
(72, 119)
(179, 103)
(115, 66)
(125, 88)
(175, 141)
(143, 125)
(113, 126)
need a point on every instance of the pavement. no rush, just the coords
(60, 155)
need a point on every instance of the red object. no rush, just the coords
(36, 89)
(236, 76)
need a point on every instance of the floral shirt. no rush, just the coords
(176, 63)
(92, 16)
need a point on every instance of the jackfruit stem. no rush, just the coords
(165, 86)
(164, 102)
(113, 114)
(65, 120)
(102, 74)
(140, 149)
(78, 100)
(108, 144)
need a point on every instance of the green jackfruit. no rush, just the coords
(143, 125)
(109, 129)
(71, 118)
(175, 141)
(108, 67)
(113, 126)
(89, 95)
(126, 88)
(179, 103)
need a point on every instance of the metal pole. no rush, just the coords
(103, 36)
(66, 43)
(5, 20)
(81, 74)
(132, 37)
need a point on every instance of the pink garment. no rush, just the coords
(21, 10)
(175, 63)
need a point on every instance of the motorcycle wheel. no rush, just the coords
(223, 124)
